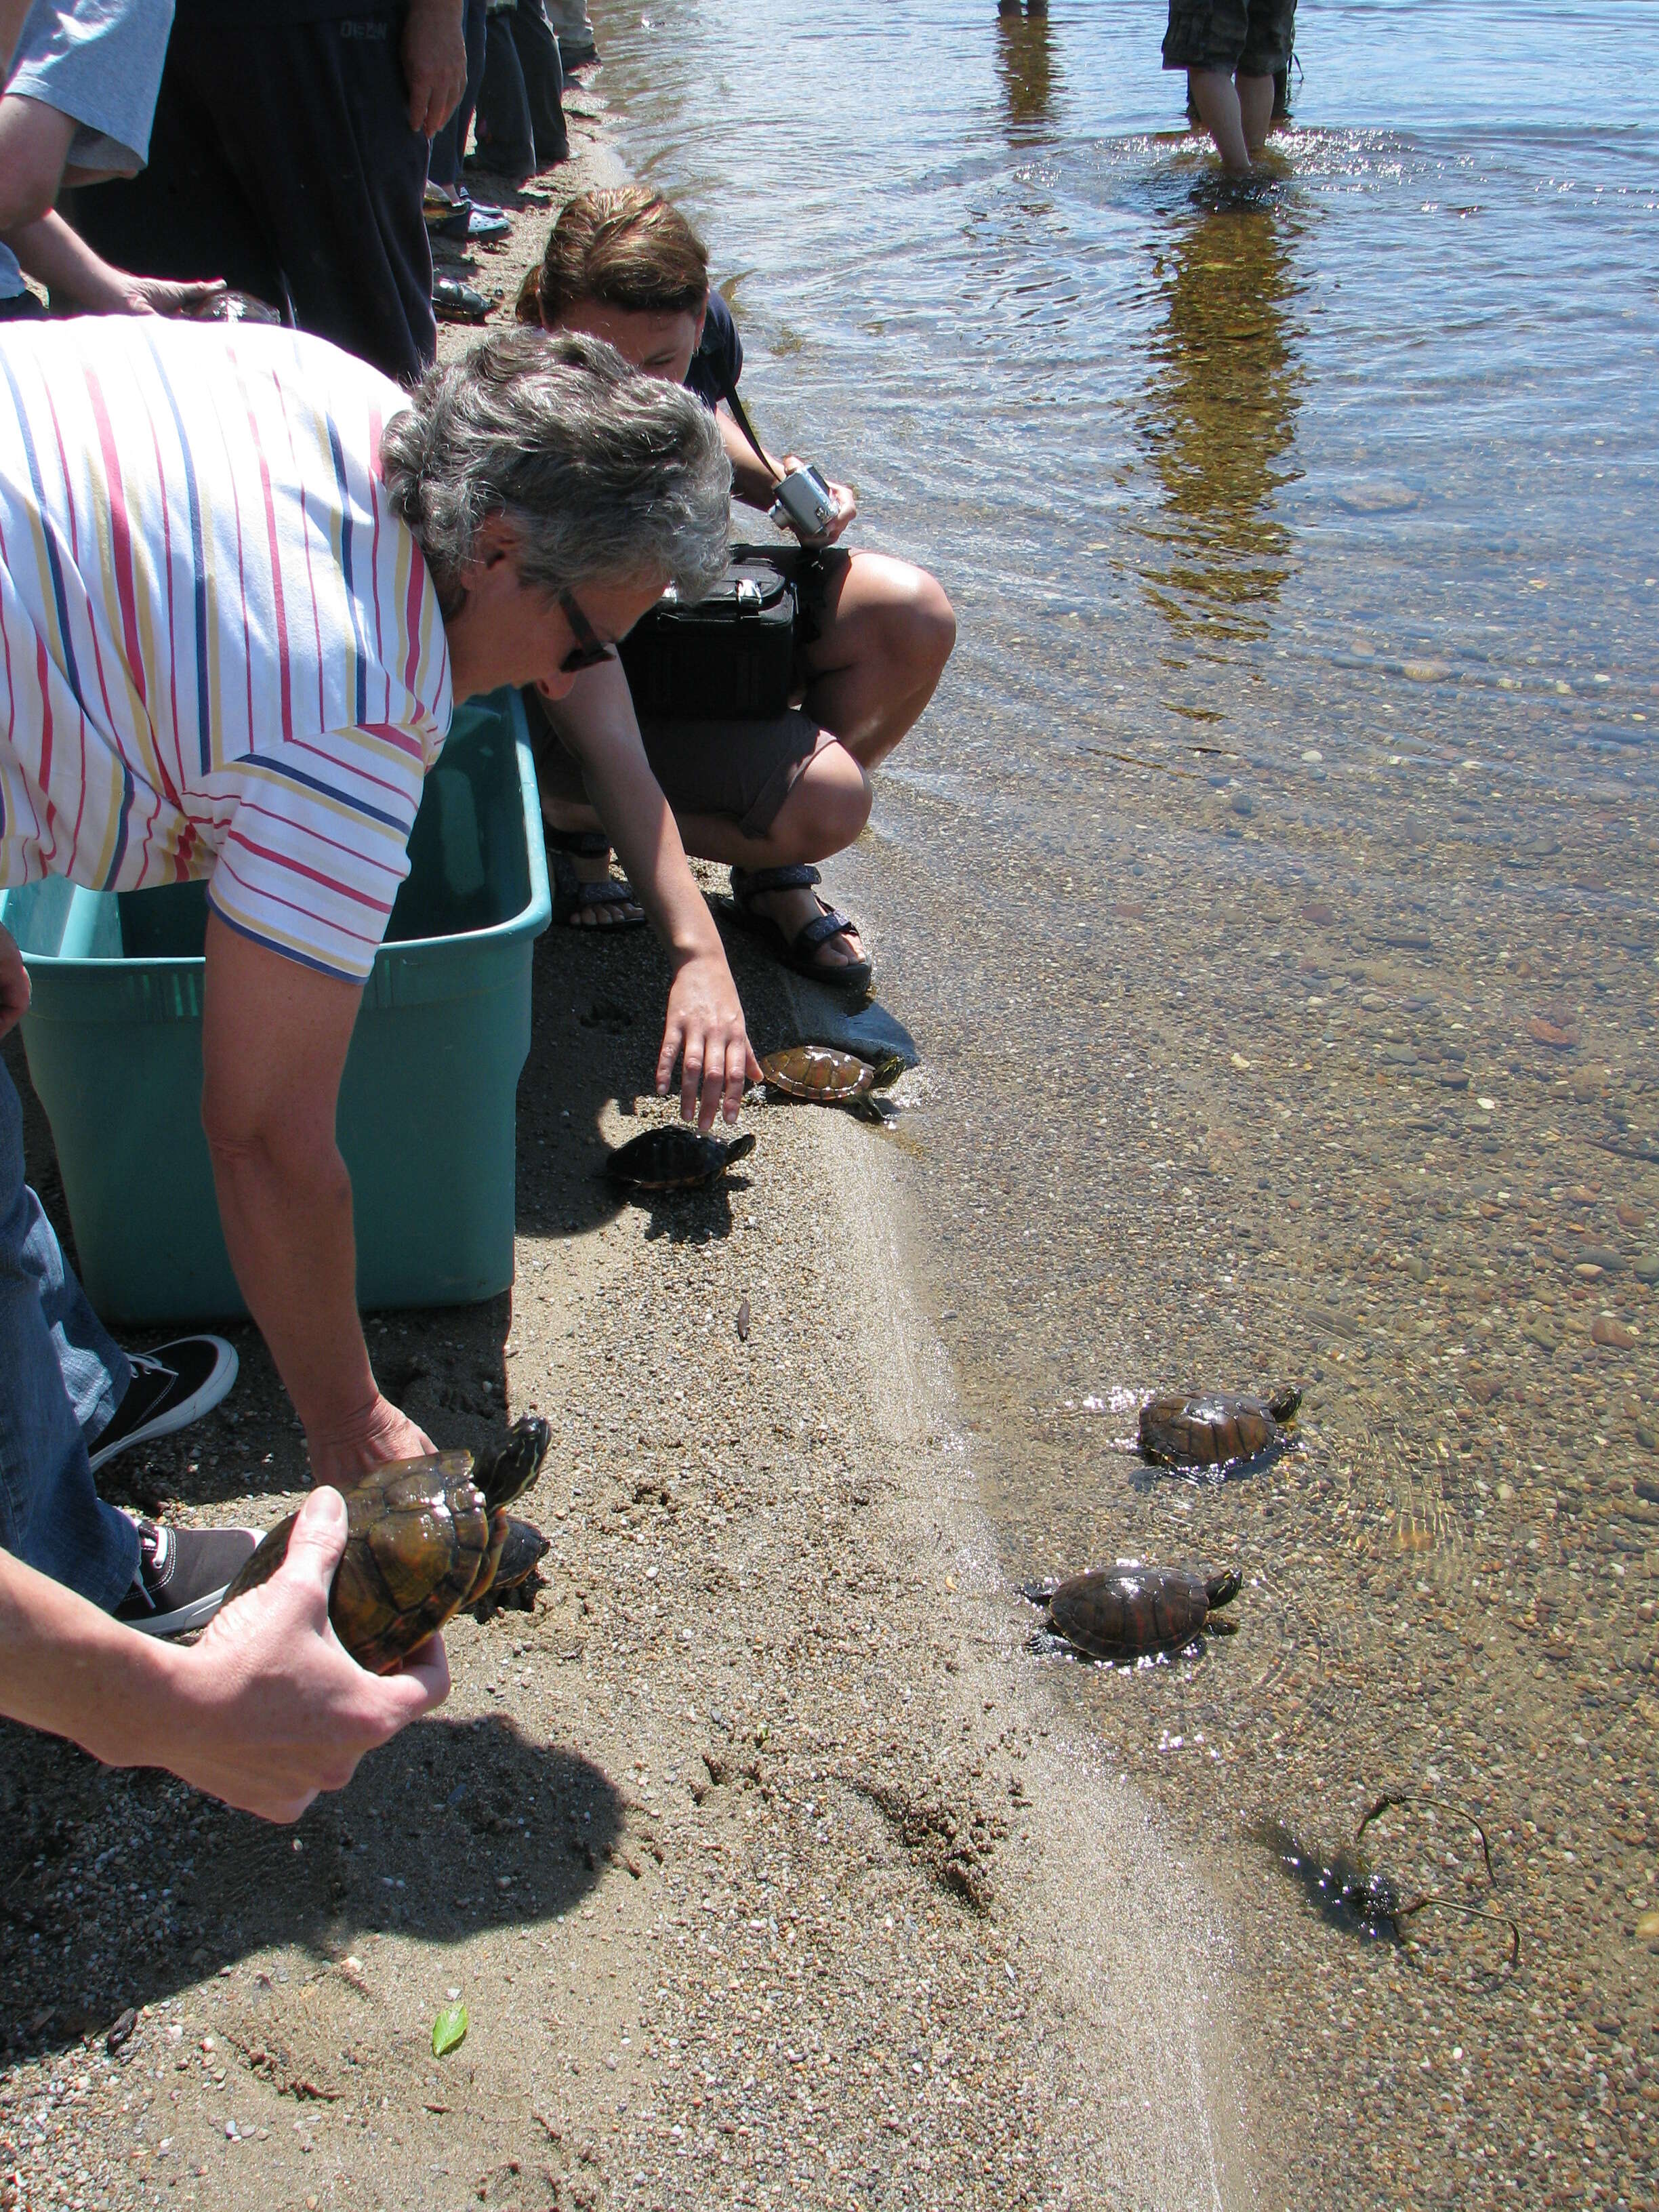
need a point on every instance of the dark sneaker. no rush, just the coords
(455, 302)
(171, 1386)
(183, 1574)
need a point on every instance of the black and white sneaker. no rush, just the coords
(171, 1386)
(183, 1574)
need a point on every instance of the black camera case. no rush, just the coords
(729, 658)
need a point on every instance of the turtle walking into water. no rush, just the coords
(674, 1158)
(1130, 1612)
(1217, 1430)
(821, 1076)
(423, 1538)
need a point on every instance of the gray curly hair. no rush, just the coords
(607, 475)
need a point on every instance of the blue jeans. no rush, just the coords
(62, 1375)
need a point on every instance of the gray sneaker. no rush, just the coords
(183, 1574)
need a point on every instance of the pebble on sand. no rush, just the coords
(1560, 1036)
(1614, 1333)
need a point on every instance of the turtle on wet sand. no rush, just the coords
(424, 1537)
(1128, 1612)
(823, 1076)
(1217, 1431)
(674, 1158)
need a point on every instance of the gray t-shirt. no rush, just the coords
(99, 62)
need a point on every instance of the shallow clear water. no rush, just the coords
(1272, 887)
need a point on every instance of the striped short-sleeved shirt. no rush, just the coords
(221, 654)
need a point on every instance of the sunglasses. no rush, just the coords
(587, 651)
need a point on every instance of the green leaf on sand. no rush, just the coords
(448, 2029)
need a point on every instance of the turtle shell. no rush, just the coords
(1216, 1429)
(674, 1158)
(423, 1538)
(818, 1072)
(1121, 1613)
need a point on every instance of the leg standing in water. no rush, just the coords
(1231, 50)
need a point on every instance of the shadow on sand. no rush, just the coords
(120, 1889)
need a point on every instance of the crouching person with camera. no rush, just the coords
(766, 768)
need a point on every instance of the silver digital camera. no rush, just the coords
(804, 504)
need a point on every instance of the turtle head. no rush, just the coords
(1222, 1589)
(739, 1148)
(515, 1466)
(1284, 1404)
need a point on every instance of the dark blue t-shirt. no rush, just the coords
(718, 361)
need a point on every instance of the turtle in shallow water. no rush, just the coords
(824, 1077)
(424, 1537)
(1224, 1433)
(1127, 1611)
(674, 1158)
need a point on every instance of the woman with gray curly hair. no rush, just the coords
(284, 571)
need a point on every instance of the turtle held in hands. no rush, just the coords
(1217, 1430)
(425, 1537)
(1129, 1612)
(674, 1158)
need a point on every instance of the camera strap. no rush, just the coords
(740, 416)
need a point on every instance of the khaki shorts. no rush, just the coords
(742, 771)
(1252, 36)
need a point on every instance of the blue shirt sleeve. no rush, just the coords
(718, 361)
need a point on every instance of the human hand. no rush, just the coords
(706, 1033)
(269, 1708)
(845, 499)
(14, 983)
(435, 62)
(344, 1454)
(165, 296)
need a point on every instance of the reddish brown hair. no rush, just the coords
(625, 247)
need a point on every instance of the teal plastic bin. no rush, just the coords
(427, 1104)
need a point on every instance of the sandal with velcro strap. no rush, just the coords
(797, 952)
(572, 893)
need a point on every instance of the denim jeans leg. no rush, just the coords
(58, 1366)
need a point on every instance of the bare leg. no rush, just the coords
(1255, 107)
(826, 807)
(888, 631)
(560, 813)
(1217, 100)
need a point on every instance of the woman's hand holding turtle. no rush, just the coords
(267, 1709)
(707, 1034)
